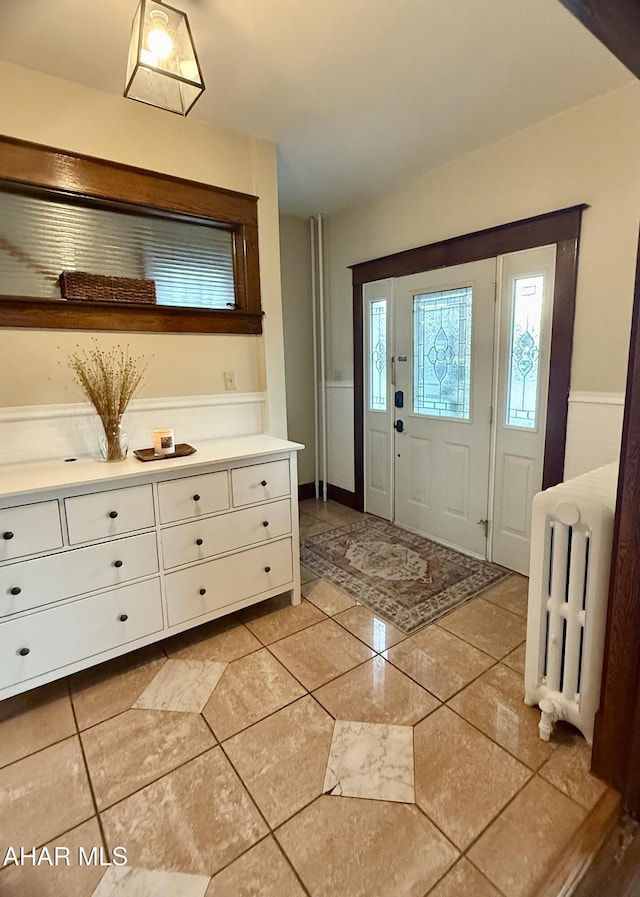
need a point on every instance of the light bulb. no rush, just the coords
(158, 40)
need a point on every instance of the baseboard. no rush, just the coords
(334, 493)
(306, 491)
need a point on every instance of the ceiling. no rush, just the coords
(356, 94)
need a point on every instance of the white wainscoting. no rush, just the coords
(340, 470)
(39, 432)
(594, 430)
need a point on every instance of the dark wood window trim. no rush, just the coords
(25, 165)
(561, 227)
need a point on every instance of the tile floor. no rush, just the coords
(289, 751)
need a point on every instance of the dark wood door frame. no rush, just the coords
(616, 743)
(562, 228)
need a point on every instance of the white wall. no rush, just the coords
(72, 117)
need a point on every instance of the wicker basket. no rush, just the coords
(98, 288)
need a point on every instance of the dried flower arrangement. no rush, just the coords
(109, 378)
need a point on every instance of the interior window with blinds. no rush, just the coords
(191, 264)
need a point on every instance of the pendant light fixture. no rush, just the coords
(163, 68)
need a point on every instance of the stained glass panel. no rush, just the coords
(378, 355)
(442, 353)
(524, 351)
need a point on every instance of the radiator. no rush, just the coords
(571, 538)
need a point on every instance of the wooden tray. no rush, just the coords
(181, 450)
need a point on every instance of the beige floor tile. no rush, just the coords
(250, 689)
(222, 640)
(53, 881)
(127, 752)
(439, 661)
(307, 575)
(277, 618)
(569, 768)
(519, 848)
(463, 780)
(494, 703)
(464, 880)
(306, 519)
(490, 628)
(346, 847)
(375, 692)
(371, 760)
(320, 653)
(124, 881)
(370, 628)
(196, 819)
(315, 529)
(511, 593)
(330, 510)
(44, 795)
(105, 690)
(329, 598)
(184, 686)
(516, 659)
(283, 759)
(261, 872)
(34, 720)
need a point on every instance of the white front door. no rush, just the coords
(444, 334)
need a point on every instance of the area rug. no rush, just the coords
(407, 579)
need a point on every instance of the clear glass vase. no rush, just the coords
(113, 441)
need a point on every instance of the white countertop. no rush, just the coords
(42, 476)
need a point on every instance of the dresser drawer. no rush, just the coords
(260, 482)
(30, 584)
(29, 529)
(216, 535)
(112, 513)
(193, 496)
(200, 590)
(54, 638)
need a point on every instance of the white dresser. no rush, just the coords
(98, 559)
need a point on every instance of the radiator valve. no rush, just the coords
(550, 714)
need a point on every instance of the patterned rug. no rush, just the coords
(407, 579)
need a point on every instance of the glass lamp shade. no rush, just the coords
(163, 68)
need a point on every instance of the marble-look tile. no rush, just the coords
(492, 629)
(569, 768)
(105, 690)
(463, 780)
(282, 759)
(329, 598)
(182, 685)
(125, 881)
(34, 720)
(196, 819)
(511, 594)
(223, 640)
(315, 529)
(307, 575)
(261, 872)
(494, 703)
(464, 880)
(517, 851)
(52, 881)
(370, 628)
(277, 618)
(516, 659)
(127, 752)
(371, 760)
(439, 661)
(250, 689)
(330, 511)
(320, 653)
(359, 848)
(304, 518)
(376, 692)
(44, 795)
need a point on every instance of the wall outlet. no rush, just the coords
(230, 380)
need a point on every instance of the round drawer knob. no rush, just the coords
(196, 497)
(265, 523)
(15, 590)
(263, 483)
(199, 541)
(7, 535)
(203, 591)
(117, 563)
(24, 651)
(113, 514)
(123, 618)
(267, 569)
